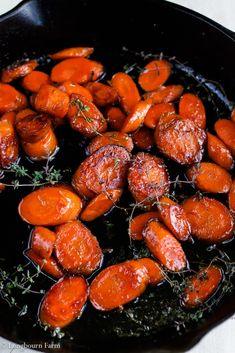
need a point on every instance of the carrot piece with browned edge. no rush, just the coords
(155, 74)
(136, 116)
(102, 94)
(115, 117)
(225, 129)
(18, 70)
(24, 113)
(143, 138)
(110, 138)
(137, 224)
(70, 88)
(191, 107)
(10, 117)
(219, 152)
(156, 111)
(49, 266)
(164, 94)
(9, 148)
(34, 80)
(11, 99)
(42, 241)
(154, 270)
(71, 53)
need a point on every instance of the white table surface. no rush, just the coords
(222, 338)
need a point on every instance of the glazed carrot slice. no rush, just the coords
(85, 117)
(174, 217)
(52, 100)
(100, 204)
(137, 224)
(218, 152)
(64, 302)
(115, 117)
(24, 113)
(155, 74)
(231, 197)
(164, 94)
(33, 127)
(11, 99)
(136, 116)
(210, 220)
(201, 286)
(34, 80)
(77, 249)
(143, 138)
(70, 88)
(9, 149)
(118, 284)
(18, 70)
(50, 206)
(191, 107)
(127, 91)
(79, 70)
(42, 242)
(102, 94)
(154, 270)
(72, 53)
(210, 177)
(110, 138)
(164, 246)
(10, 117)
(225, 129)
(49, 266)
(155, 112)
(42, 149)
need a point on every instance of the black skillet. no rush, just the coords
(36, 27)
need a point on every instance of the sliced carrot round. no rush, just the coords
(155, 74)
(154, 270)
(156, 111)
(102, 94)
(48, 266)
(231, 197)
(42, 241)
(143, 138)
(10, 117)
(70, 88)
(115, 117)
(137, 224)
(218, 152)
(136, 116)
(11, 99)
(24, 113)
(72, 53)
(191, 107)
(225, 129)
(9, 148)
(164, 94)
(18, 70)
(34, 80)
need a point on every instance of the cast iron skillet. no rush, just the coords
(41, 26)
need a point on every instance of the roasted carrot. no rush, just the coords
(10, 117)
(202, 286)
(100, 204)
(43, 149)
(85, 117)
(102, 94)
(225, 129)
(9, 149)
(147, 179)
(42, 242)
(70, 88)
(136, 116)
(11, 99)
(50, 206)
(137, 224)
(156, 111)
(49, 266)
(155, 74)
(77, 249)
(154, 270)
(64, 302)
(18, 70)
(191, 107)
(164, 246)
(231, 197)
(118, 284)
(72, 53)
(52, 100)
(210, 177)
(174, 217)
(115, 117)
(164, 94)
(180, 139)
(34, 80)
(110, 138)
(127, 91)
(24, 113)
(210, 220)
(79, 70)
(143, 138)
(218, 152)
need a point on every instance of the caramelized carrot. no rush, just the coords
(137, 224)
(10, 117)
(231, 197)
(70, 88)
(143, 138)
(79, 70)
(154, 270)
(156, 111)
(191, 107)
(164, 246)
(11, 99)
(210, 220)
(77, 249)
(18, 70)
(118, 284)
(42, 149)
(155, 74)
(64, 302)
(102, 94)
(174, 217)
(24, 113)
(9, 149)
(72, 53)
(50, 206)
(136, 116)
(52, 100)
(127, 91)
(42, 242)
(34, 80)
(115, 117)
(218, 152)
(202, 286)
(225, 129)
(110, 138)
(100, 204)
(210, 177)
(164, 94)
(49, 266)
